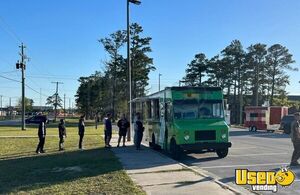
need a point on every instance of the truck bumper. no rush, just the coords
(205, 146)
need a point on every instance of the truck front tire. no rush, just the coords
(222, 153)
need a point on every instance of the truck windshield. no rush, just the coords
(193, 109)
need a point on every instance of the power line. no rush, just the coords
(51, 77)
(36, 90)
(9, 72)
(10, 31)
(10, 79)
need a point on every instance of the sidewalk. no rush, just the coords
(159, 174)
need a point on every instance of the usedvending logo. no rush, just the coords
(264, 180)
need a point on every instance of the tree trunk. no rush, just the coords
(273, 86)
(234, 103)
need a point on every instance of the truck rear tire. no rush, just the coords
(222, 153)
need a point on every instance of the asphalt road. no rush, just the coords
(258, 151)
(10, 122)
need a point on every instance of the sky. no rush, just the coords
(62, 36)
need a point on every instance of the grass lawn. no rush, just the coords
(92, 171)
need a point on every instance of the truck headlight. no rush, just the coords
(223, 136)
(187, 137)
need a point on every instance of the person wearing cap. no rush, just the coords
(42, 136)
(81, 130)
(62, 134)
(123, 125)
(295, 136)
(107, 130)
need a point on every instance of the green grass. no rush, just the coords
(93, 171)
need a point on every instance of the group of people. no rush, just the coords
(62, 133)
(123, 125)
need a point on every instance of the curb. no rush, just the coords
(223, 185)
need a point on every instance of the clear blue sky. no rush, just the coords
(61, 36)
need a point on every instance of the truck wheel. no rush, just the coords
(250, 128)
(222, 153)
(175, 150)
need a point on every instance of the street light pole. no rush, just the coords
(137, 2)
(159, 75)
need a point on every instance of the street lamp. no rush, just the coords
(136, 2)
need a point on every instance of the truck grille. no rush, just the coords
(205, 135)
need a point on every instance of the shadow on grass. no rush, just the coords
(45, 170)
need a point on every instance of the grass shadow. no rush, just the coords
(40, 171)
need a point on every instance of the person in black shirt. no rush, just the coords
(81, 129)
(123, 125)
(107, 130)
(62, 134)
(42, 136)
(138, 131)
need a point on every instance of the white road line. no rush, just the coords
(261, 154)
(250, 165)
(242, 148)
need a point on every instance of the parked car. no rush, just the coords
(36, 119)
(286, 122)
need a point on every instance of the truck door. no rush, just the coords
(162, 122)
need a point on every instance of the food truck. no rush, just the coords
(264, 117)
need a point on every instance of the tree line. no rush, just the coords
(108, 90)
(258, 72)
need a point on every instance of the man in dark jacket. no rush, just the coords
(42, 136)
(107, 130)
(62, 134)
(81, 129)
(123, 125)
(295, 136)
(138, 131)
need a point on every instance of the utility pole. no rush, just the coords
(1, 102)
(41, 99)
(21, 65)
(159, 75)
(56, 98)
(136, 2)
(69, 105)
(64, 106)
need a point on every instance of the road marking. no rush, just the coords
(251, 165)
(242, 148)
(261, 154)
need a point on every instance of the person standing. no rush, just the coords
(123, 125)
(62, 134)
(81, 129)
(42, 136)
(295, 136)
(138, 131)
(107, 130)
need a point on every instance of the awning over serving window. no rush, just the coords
(143, 99)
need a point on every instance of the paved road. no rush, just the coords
(10, 122)
(250, 150)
